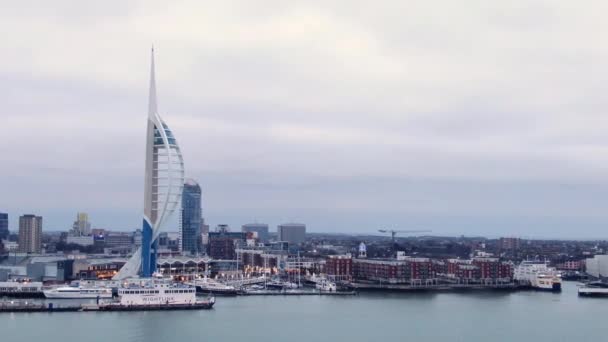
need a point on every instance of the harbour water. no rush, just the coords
(472, 316)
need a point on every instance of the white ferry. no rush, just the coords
(210, 286)
(77, 292)
(154, 294)
(594, 289)
(538, 275)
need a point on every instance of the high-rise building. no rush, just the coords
(4, 226)
(164, 180)
(82, 226)
(509, 243)
(261, 229)
(294, 233)
(223, 243)
(30, 234)
(191, 219)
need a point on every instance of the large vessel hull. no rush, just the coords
(217, 292)
(58, 295)
(157, 307)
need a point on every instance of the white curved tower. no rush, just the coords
(164, 181)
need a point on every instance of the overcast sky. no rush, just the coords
(475, 117)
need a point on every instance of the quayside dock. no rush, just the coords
(296, 293)
(36, 307)
(435, 287)
(50, 307)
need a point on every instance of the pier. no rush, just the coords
(296, 293)
(14, 306)
(8, 307)
(435, 287)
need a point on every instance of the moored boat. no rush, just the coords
(326, 285)
(538, 276)
(209, 286)
(77, 292)
(156, 295)
(594, 289)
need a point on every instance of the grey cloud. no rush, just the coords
(485, 118)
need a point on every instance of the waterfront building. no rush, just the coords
(93, 269)
(403, 269)
(4, 233)
(30, 234)
(261, 229)
(191, 218)
(339, 267)
(597, 266)
(164, 181)
(81, 226)
(223, 243)
(493, 268)
(294, 233)
(571, 265)
(380, 270)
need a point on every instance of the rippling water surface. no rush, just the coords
(477, 316)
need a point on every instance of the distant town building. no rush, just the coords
(191, 218)
(223, 243)
(571, 265)
(205, 234)
(261, 229)
(137, 238)
(118, 240)
(4, 226)
(82, 240)
(81, 226)
(362, 251)
(294, 233)
(509, 243)
(30, 234)
(10, 246)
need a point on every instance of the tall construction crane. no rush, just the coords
(394, 232)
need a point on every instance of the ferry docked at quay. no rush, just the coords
(538, 276)
(154, 294)
(136, 295)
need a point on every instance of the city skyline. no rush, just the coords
(344, 118)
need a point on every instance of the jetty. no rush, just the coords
(434, 287)
(296, 293)
(12, 306)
